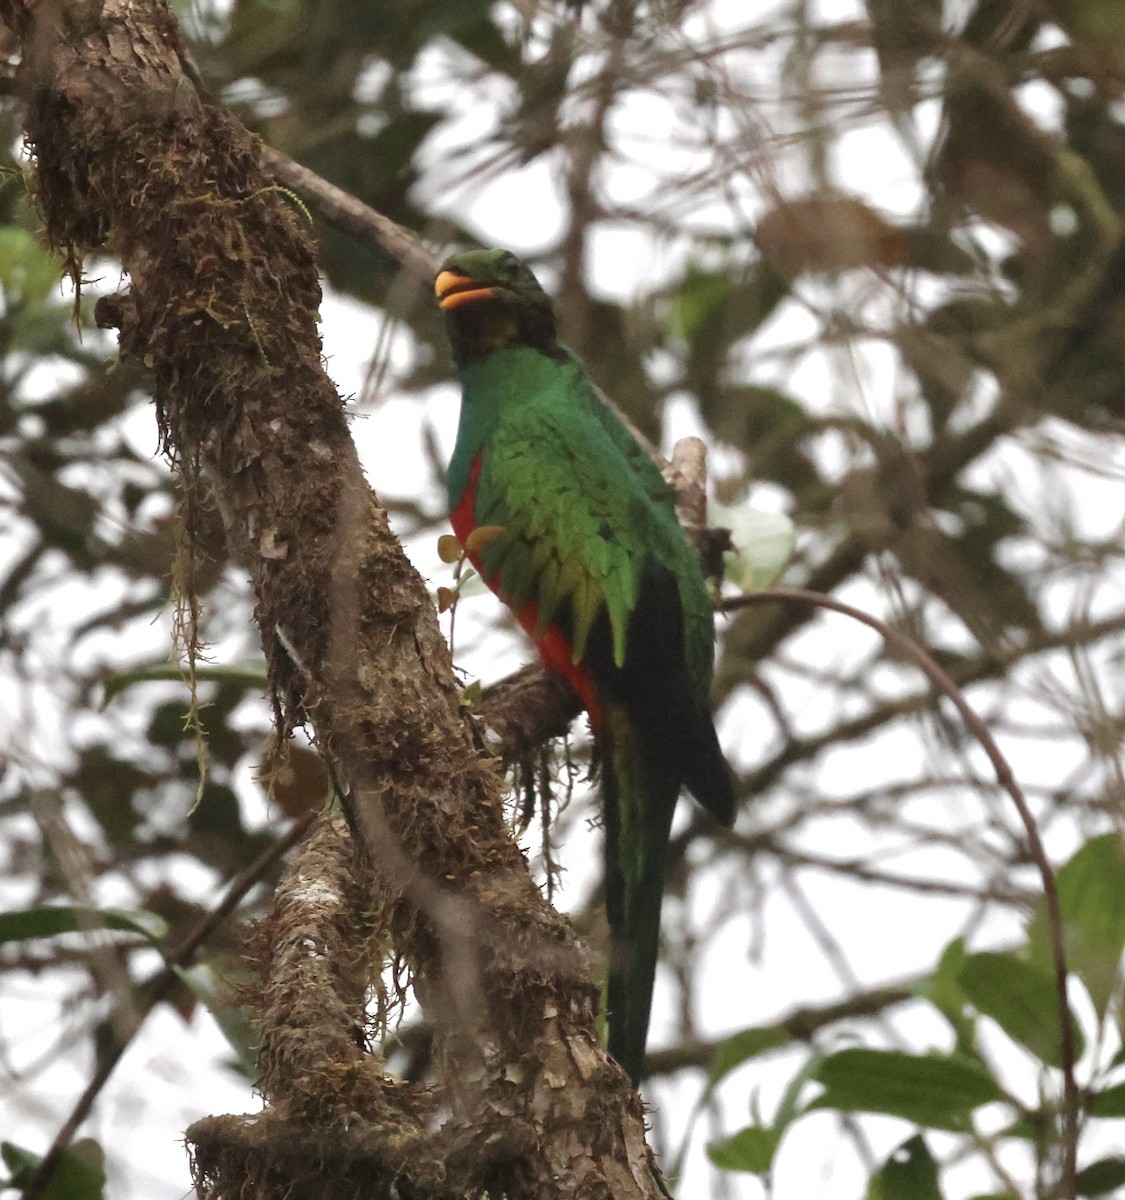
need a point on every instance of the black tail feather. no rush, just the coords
(707, 775)
(640, 786)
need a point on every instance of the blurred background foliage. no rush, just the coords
(874, 256)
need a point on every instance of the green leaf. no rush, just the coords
(700, 298)
(932, 1090)
(742, 1047)
(763, 543)
(750, 1149)
(1020, 997)
(79, 1174)
(1031, 1126)
(944, 991)
(1097, 23)
(1107, 1103)
(1092, 901)
(711, 311)
(909, 1174)
(484, 38)
(42, 329)
(789, 1108)
(233, 1022)
(108, 786)
(50, 921)
(248, 674)
(1101, 1177)
(773, 423)
(28, 273)
(216, 834)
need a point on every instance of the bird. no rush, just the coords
(570, 522)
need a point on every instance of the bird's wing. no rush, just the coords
(577, 524)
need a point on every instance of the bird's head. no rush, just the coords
(490, 300)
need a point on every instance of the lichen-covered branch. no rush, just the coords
(222, 308)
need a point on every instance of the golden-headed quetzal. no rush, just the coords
(583, 545)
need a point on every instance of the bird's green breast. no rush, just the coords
(509, 382)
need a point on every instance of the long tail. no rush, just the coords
(640, 787)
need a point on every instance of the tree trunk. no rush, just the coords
(222, 308)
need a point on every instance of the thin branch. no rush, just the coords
(966, 671)
(798, 1025)
(353, 217)
(942, 683)
(162, 987)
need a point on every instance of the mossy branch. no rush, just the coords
(222, 308)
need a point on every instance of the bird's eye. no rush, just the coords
(509, 264)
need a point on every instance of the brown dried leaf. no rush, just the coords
(828, 233)
(479, 538)
(449, 548)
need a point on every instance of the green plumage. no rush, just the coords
(590, 537)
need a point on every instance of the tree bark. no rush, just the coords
(222, 308)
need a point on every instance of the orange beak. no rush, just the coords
(453, 290)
